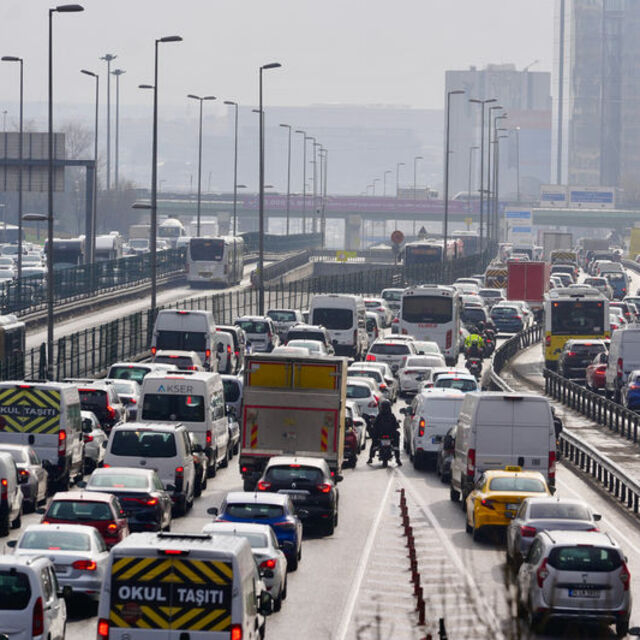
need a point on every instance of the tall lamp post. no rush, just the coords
(471, 150)
(108, 58)
(304, 179)
(288, 128)
(313, 182)
(492, 210)
(154, 173)
(447, 153)
(489, 174)
(517, 132)
(373, 185)
(117, 73)
(62, 8)
(482, 104)
(398, 165)
(384, 181)
(94, 211)
(497, 182)
(233, 104)
(21, 61)
(415, 175)
(264, 67)
(200, 99)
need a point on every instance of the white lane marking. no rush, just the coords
(608, 522)
(455, 557)
(347, 612)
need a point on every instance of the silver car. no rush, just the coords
(95, 441)
(543, 514)
(391, 351)
(33, 476)
(78, 553)
(578, 575)
(390, 392)
(362, 391)
(271, 562)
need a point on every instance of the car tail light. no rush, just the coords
(263, 485)
(518, 317)
(24, 473)
(620, 367)
(207, 355)
(4, 489)
(103, 629)
(405, 332)
(268, 564)
(552, 465)
(208, 438)
(62, 443)
(152, 502)
(88, 438)
(154, 350)
(237, 353)
(471, 463)
(37, 623)
(229, 350)
(179, 477)
(112, 526)
(85, 565)
(547, 341)
(527, 532)
(371, 357)
(634, 386)
(374, 403)
(487, 504)
(625, 576)
(542, 573)
(236, 632)
(111, 412)
(284, 526)
(421, 425)
(325, 487)
(449, 339)
(383, 387)
(571, 354)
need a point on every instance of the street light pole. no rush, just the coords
(288, 127)
(471, 150)
(398, 165)
(489, 174)
(108, 57)
(200, 99)
(304, 179)
(493, 208)
(117, 73)
(94, 213)
(231, 103)
(517, 130)
(446, 172)
(272, 65)
(415, 175)
(20, 154)
(373, 185)
(497, 184)
(384, 181)
(63, 8)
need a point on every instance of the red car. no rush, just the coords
(95, 509)
(595, 372)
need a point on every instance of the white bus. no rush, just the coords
(215, 260)
(432, 312)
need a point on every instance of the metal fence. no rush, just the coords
(278, 243)
(89, 352)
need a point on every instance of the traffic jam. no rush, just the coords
(284, 407)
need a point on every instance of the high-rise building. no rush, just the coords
(597, 76)
(525, 96)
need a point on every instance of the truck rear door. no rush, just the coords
(174, 594)
(494, 434)
(531, 435)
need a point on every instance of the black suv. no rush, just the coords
(309, 483)
(102, 398)
(577, 355)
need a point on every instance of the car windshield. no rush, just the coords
(79, 511)
(426, 347)
(390, 349)
(254, 511)
(231, 390)
(425, 361)
(174, 408)
(559, 510)
(336, 319)
(182, 362)
(256, 540)
(358, 391)
(182, 341)
(294, 473)
(129, 373)
(584, 558)
(473, 314)
(532, 485)
(301, 335)
(253, 326)
(394, 296)
(504, 312)
(91, 398)
(118, 481)
(427, 309)
(143, 444)
(282, 316)
(15, 592)
(365, 373)
(461, 384)
(312, 345)
(55, 540)
(126, 388)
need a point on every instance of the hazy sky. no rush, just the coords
(334, 51)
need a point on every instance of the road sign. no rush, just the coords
(343, 256)
(397, 237)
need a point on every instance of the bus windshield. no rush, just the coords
(207, 249)
(573, 317)
(437, 310)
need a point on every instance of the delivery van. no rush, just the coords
(183, 330)
(496, 430)
(46, 416)
(196, 400)
(175, 585)
(624, 357)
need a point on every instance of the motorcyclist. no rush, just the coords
(385, 424)
(474, 345)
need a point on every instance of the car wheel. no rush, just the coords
(330, 527)
(284, 588)
(213, 468)
(4, 526)
(417, 461)
(467, 527)
(622, 627)
(533, 620)
(225, 462)
(277, 602)
(17, 523)
(475, 533)
(236, 448)
(454, 495)
(293, 564)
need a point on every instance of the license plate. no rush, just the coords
(58, 568)
(584, 593)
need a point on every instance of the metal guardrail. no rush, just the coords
(572, 448)
(278, 269)
(280, 243)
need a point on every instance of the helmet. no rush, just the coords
(385, 406)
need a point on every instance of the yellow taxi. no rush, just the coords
(497, 495)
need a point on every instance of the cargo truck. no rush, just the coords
(553, 241)
(291, 406)
(529, 281)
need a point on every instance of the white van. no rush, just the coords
(183, 330)
(430, 416)
(202, 587)
(46, 416)
(344, 316)
(165, 448)
(195, 400)
(496, 430)
(624, 357)
(10, 494)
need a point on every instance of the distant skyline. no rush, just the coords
(353, 52)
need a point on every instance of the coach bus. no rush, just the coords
(215, 261)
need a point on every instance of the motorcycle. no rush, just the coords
(385, 450)
(489, 346)
(474, 366)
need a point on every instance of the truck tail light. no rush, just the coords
(449, 339)
(542, 573)
(552, 465)
(154, 350)
(208, 438)
(421, 425)
(84, 565)
(62, 443)
(103, 629)
(625, 576)
(620, 367)
(236, 632)
(37, 622)
(229, 350)
(179, 478)
(4, 490)
(263, 486)
(471, 463)
(528, 532)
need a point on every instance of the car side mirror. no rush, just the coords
(170, 487)
(81, 483)
(597, 517)
(197, 448)
(65, 592)
(12, 543)
(265, 605)
(212, 511)
(41, 511)
(634, 631)
(448, 442)
(403, 411)
(104, 444)
(338, 477)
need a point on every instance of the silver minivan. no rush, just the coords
(624, 357)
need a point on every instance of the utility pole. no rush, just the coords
(108, 58)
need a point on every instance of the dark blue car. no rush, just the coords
(507, 319)
(631, 391)
(275, 509)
